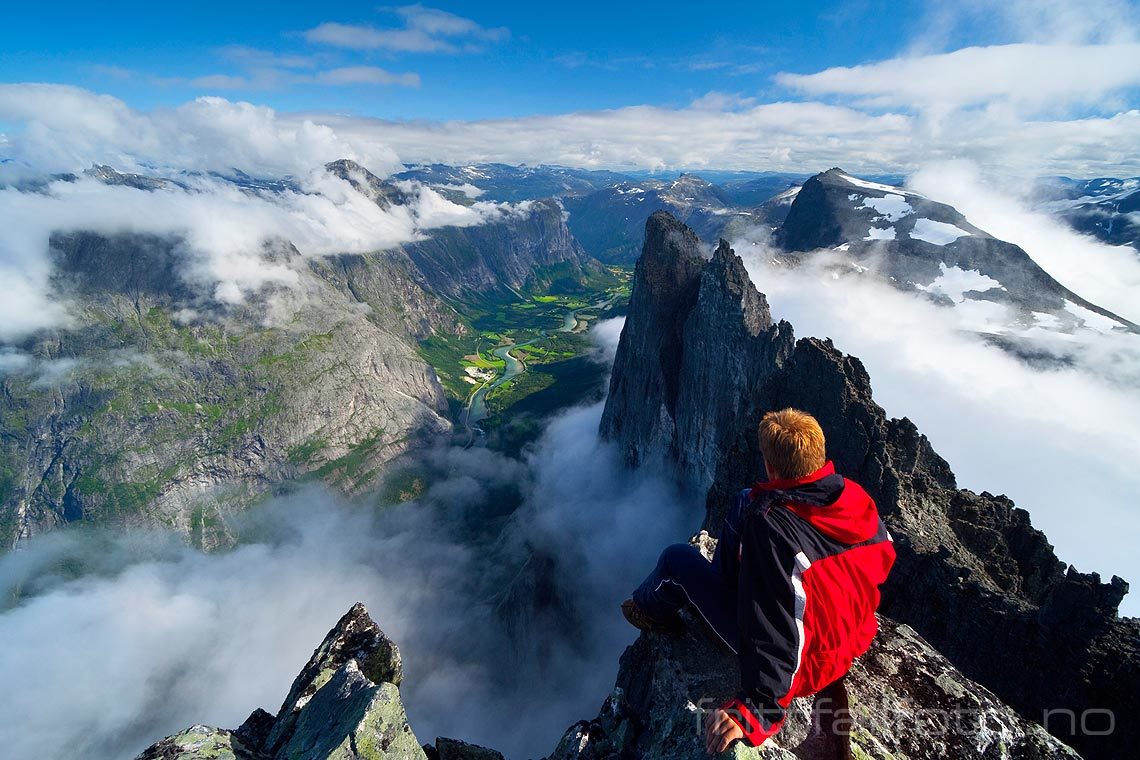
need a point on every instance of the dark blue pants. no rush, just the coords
(684, 577)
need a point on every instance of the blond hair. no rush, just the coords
(792, 443)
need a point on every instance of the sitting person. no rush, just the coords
(793, 585)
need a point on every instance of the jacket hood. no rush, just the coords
(838, 508)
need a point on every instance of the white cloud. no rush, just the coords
(366, 75)
(425, 30)
(255, 57)
(274, 78)
(1026, 76)
(220, 82)
(787, 136)
(1051, 21)
(223, 228)
(62, 128)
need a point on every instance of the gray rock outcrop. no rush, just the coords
(344, 705)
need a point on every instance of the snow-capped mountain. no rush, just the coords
(1106, 208)
(919, 244)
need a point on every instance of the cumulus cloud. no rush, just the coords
(1060, 441)
(425, 30)
(180, 637)
(1025, 76)
(61, 128)
(65, 128)
(786, 136)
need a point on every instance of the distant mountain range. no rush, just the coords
(1106, 208)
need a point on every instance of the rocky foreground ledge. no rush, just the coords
(907, 702)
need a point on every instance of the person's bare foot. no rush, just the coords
(641, 620)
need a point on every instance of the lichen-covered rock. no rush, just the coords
(201, 743)
(907, 702)
(352, 718)
(355, 638)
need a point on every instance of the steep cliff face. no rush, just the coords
(160, 405)
(526, 247)
(136, 416)
(973, 577)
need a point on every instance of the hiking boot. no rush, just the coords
(641, 620)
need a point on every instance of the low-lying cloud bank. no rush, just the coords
(223, 231)
(152, 636)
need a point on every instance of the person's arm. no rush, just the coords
(770, 629)
(727, 554)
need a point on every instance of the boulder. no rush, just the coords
(199, 743)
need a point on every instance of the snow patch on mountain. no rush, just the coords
(938, 233)
(1046, 321)
(891, 206)
(955, 282)
(875, 185)
(1091, 319)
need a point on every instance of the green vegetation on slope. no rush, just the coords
(535, 324)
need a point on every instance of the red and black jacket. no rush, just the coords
(813, 553)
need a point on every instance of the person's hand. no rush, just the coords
(720, 731)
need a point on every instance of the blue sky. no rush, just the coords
(1019, 87)
(549, 58)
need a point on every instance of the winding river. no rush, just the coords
(476, 410)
